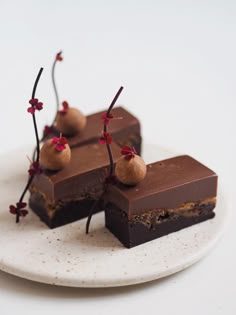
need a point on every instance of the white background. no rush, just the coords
(177, 62)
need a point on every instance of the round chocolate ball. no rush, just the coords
(71, 122)
(52, 159)
(130, 171)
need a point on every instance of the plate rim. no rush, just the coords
(129, 280)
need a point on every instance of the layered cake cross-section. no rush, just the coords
(176, 193)
(64, 196)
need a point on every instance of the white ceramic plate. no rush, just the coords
(67, 256)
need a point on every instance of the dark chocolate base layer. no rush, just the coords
(132, 232)
(67, 212)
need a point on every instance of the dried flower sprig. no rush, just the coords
(35, 105)
(34, 169)
(105, 139)
(128, 152)
(106, 118)
(48, 130)
(19, 209)
(59, 143)
(65, 106)
(51, 129)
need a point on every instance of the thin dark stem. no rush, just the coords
(109, 153)
(114, 100)
(111, 161)
(93, 208)
(37, 138)
(105, 130)
(33, 116)
(37, 146)
(57, 103)
(22, 197)
(36, 82)
(34, 153)
(26, 188)
(55, 87)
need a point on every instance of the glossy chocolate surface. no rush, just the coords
(121, 129)
(168, 184)
(83, 176)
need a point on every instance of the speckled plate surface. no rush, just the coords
(67, 256)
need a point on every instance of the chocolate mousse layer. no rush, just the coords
(176, 193)
(65, 196)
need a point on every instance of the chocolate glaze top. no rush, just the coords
(87, 168)
(168, 184)
(118, 127)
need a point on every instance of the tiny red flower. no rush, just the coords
(128, 152)
(59, 56)
(31, 110)
(106, 138)
(48, 130)
(23, 212)
(35, 105)
(39, 106)
(19, 208)
(65, 106)
(35, 169)
(60, 143)
(106, 118)
(33, 101)
(21, 205)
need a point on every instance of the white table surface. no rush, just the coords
(177, 62)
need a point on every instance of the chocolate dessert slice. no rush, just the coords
(176, 193)
(125, 131)
(67, 195)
